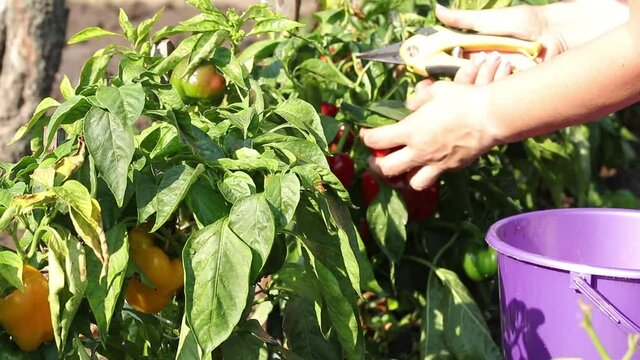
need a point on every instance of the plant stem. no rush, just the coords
(586, 324)
(44, 225)
(633, 346)
(420, 261)
(343, 139)
(16, 242)
(445, 247)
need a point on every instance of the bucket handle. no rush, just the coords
(581, 282)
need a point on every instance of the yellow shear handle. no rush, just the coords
(421, 52)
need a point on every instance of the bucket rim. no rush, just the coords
(505, 249)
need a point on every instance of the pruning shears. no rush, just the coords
(437, 51)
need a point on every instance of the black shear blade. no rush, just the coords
(389, 54)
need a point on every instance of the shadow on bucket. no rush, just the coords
(522, 340)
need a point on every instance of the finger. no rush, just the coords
(467, 74)
(488, 71)
(512, 21)
(424, 177)
(386, 137)
(423, 85)
(504, 70)
(396, 163)
(421, 96)
(517, 61)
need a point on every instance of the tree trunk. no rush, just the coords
(32, 35)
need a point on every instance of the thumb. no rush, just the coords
(510, 21)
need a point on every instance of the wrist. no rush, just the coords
(486, 121)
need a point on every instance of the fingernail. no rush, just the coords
(440, 7)
(480, 58)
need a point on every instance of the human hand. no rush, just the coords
(440, 135)
(558, 26)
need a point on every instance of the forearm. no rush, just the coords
(596, 17)
(579, 86)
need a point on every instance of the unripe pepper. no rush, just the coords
(480, 263)
(205, 86)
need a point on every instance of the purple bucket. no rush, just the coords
(547, 261)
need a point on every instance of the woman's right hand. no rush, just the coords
(558, 26)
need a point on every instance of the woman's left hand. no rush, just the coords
(447, 130)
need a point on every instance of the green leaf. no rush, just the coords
(182, 50)
(66, 89)
(127, 28)
(274, 25)
(133, 72)
(323, 242)
(71, 110)
(125, 102)
(27, 202)
(432, 336)
(551, 147)
(200, 23)
(188, 348)
(45, 105)
(387, 218)
(144, 28)
(469, 4)
(68, 165)
(217, 267)
(203, 49)
(207, 204)
(173, 187)
(249, 164)
(202, 145)
(341, 311)
(294, 279)
(256, 96)
(103, 292)
(253, 51)
(89, 34)
(304, 336)
(325, 71)
(256, 11)
(78, 345)
(11, 268)
(94, 69)
(347, 235)
(304, 117)
(243, 345)
(282, 191)
(224, 59)
(86, 217)
(465, 329)
(236, 185)
(494, 4)
(304, 151)
(67, 281)
(202, 5)
(145, 190)
(160, 140)
(393, 109)
(111, 145)
(241, 119)
(251, 219)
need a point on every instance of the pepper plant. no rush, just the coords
(213, 200)
(233, 190)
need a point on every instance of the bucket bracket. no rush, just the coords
(582, 283)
